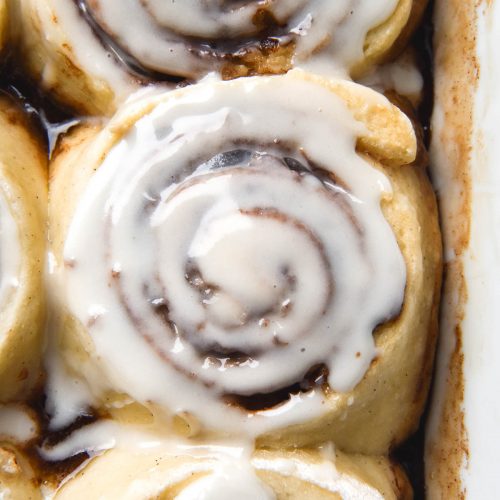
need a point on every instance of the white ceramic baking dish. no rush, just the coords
(463, 432)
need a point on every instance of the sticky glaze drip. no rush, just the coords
(220, 469)
(9, 254)
(250, 272)
(17, 424)
(192, 38)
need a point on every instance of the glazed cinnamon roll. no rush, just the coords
(23, 198)
(90, 53)
(217, 472)
(251, 257)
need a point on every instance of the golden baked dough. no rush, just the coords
(19, 428)
(17, 479)
(23, 198)
(385, 406)
(387, 40)
(52, 62)
(93, 81)
(167, 474)
(388, 402)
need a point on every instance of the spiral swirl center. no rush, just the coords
(242, 248)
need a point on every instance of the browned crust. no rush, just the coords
(457, 74)
(448, 450)
(401, 484)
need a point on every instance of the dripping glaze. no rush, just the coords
(222, 468)
(182, 313)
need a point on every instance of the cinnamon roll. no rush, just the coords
(23, 198)
(91, 53)
(251, 257)
(222, 472)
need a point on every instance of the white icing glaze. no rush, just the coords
(226, 465)
(68, 396)
(337, 29)
(104, 435)
(402, 76)
(56, 130)
(322, 474)
(287, 285)
(228, 468)
(228, 481)
(17, 424)
(10, 255)
(63, 25)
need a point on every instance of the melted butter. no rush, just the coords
(154, 219)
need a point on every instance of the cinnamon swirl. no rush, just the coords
(251, 257)
(91, 53)
(23, 201)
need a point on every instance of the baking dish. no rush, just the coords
(465, 180)
(462, 431)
